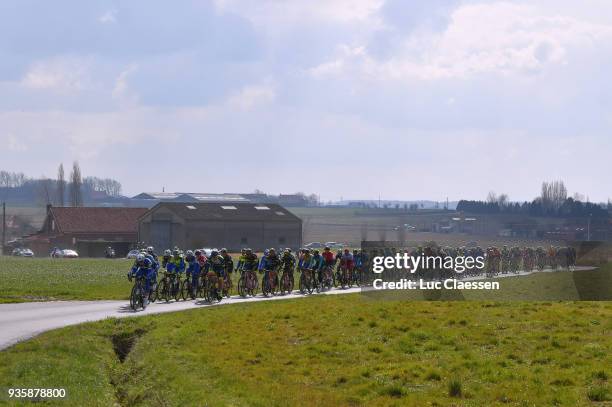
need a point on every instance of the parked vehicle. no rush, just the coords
(109, 253)
(334, 245)
(27, 253)
(22, 252)
(313, 245)
(66, 253)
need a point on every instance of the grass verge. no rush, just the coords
(329, 350)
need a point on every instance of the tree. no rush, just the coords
(44, 191)
(491, 197)
(553, 195)
(76, 182)
(61, 186)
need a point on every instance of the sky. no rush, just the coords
(347, 98)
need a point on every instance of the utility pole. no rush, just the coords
(3, 226)
(589, 228)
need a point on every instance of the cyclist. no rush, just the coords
(288, 261)
(248, 262)
(269, 262)
(262, 261)
(150, 254)
(193, 269)
(166, 258)
(317, 265)
(215, 264)
(305, 262)
(358, 260)
(227, 261)
(201, 258)
(338, 259)
(347, 262)
(241, 259)
(143, 268)
(175, 266)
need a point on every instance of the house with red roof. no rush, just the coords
(88, 230)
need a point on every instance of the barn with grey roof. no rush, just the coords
(230, 225)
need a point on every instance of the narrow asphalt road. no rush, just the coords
(22, 321)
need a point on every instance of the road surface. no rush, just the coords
(22, 321)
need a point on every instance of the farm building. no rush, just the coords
(87, 230)
(230, 225)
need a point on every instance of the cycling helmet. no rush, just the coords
(272, 251)
(176, 252)
(198, 252)
(266, 252)
(327, 248)
(189, 253)
(214, 253)
(288, 250)
(167, 252)
(150, 249)
(140, 257)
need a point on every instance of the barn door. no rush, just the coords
(160, 235)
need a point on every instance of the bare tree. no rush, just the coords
(44, 191)
(61, 186)
(492, 197)
(76, 182)
(503, 200)
(553, 195)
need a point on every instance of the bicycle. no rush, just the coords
(327, 278)
(211, 288)
(306, 281)
(137, 295)
(170, 287)
(187, 289)
(247, 283)
(270, 285)
(227, 285)
(286, 282)
(345, 277)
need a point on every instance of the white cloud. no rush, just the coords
(110, 17)
(252, 96)
(60, 73)
(14, 144)
(121, 90)
(498, 38)
(301, 10)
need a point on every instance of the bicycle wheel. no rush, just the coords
(302, 284)
(241, 287)
(153, 293)
(176, 289)
(163, 291)
(133, 299)
(265, 287)
(275, 286)
(185, 289)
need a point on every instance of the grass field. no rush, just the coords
(34, 279)
(330, 350)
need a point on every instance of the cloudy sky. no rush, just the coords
(352, 98)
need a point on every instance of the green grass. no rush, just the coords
(330, 350)
(45, 279)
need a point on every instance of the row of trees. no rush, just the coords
(71, 190)
(553, 201)
(12, 179)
